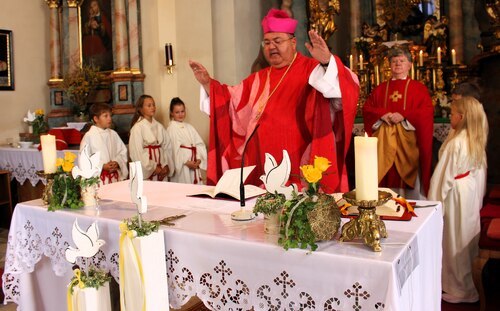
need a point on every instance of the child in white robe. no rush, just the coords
(459, 182)
(101, 137)
(189, 150)
(148, 141)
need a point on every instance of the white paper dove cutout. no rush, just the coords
(30, 116)
(136, 186)
(88, 165)
(276, 176)
(87, 242)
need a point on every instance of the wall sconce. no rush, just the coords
(169, 56)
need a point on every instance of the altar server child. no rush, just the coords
(101, 137)
(189, 150)
(148, 141)
(459, 183)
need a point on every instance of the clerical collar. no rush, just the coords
(406, 77)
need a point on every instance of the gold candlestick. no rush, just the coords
(47, 190)
(368, 224)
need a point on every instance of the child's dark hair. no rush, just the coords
(176, 101)
(97, 109)
(138, 108)
(467, 89)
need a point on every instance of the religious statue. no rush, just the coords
(321, 14)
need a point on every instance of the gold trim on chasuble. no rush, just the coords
(396, 96)
(262, 103)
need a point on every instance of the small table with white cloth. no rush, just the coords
(230, 265)
(24, 163)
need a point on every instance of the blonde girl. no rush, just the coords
(459, 182)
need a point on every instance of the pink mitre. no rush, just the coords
(278, 21)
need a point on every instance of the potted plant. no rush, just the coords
(78, 84)
(271, 205)
(312, 215)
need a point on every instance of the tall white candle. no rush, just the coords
(49, 153)
(453, 57)
(366, 167)
(421, 58)
(360, 62)
(351, 62)
(439, 55)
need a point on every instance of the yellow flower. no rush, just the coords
(69, 157)
(59, 162)
(67, 166)
(321, 163)
(39, 112)
(311, 174)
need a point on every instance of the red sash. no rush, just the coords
(154, 154)
(193, 158)
(460, 176)
(109, 176)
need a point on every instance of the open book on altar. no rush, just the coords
(228, 186)
(390, 209)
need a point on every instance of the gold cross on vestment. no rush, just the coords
(395, 96)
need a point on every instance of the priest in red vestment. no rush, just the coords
(304, 105)
(400, 113)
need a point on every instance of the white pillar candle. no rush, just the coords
(439, 55)
(453, 57)
(351, 62)
(360, 62)
(366, 167)
(421, 58)
(49, 153)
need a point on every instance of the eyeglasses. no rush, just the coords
(275, 41)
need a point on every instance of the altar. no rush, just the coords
(230, 265)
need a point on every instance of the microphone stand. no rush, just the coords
(243, 214)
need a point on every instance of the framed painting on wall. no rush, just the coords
(97, 34)
(6, 61)
(122, 93)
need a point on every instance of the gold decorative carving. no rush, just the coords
(53, 4)
(74, 3)
(321, 14)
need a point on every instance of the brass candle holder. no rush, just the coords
(47, 190)
(368, 224)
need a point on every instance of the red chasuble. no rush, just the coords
(291, 115)
(416, 107)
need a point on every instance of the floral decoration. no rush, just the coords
(145, 228)
(363, 45)
(66, 190)
(37, 121)
(311, 216)
(79, 84)
(93, 278)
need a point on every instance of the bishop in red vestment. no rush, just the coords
(304, 105)
(398, 101)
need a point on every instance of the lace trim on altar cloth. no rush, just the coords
(220, 288)
(21, 174)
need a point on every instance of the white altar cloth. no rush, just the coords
(230, 265)
(24, 163)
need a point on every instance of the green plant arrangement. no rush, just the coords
(269, 203)
(144, 229)
(78, 84)
(93, 278)
(66, 190)
(312, 215)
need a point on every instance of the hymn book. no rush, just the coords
(228, 186)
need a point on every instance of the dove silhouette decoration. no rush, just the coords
(87, 242)
(276, 176)
(88, 165)
(136, 187)
(30, 116)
